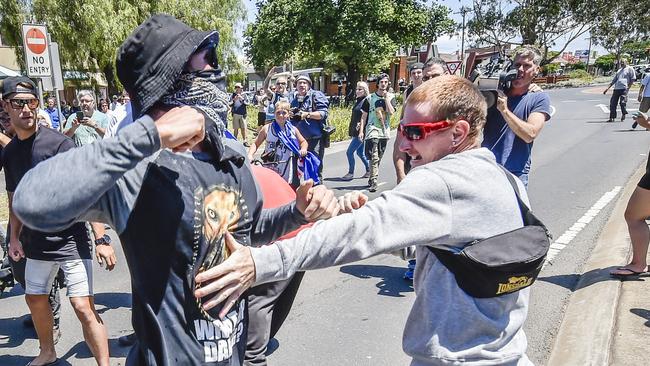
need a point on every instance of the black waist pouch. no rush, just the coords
(501, 264)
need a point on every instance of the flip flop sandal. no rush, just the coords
(631, 273)
(56, 361)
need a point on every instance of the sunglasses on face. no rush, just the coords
(21, 103)
(281, 83)
(282, 113)
(210, 55)
(420, 130)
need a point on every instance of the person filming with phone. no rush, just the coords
(88, 124)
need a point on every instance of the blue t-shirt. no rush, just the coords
(511, 151)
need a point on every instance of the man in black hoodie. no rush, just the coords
(172, 188)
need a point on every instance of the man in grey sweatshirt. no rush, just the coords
(455, 194)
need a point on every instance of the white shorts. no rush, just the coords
(238, 122)
(39, 276)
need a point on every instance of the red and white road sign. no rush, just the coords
(36, 48)
(453, 66)
(36, 40)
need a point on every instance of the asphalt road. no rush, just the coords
(354, 314)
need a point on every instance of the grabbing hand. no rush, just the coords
(105, 256)
(316, 203)
(229, 279)
(181, 128)
(303, 153)
(502, 102)
(352, 201)
(16, 250)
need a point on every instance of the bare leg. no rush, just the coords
(41, 312)
(638, 209)
(93, 327)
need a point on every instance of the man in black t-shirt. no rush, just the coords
(173, 188)
(46, 253)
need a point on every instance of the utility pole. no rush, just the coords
(589, 54)
(463, 12)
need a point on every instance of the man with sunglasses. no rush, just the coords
(519, 116)
(276, 92)
(47, 252)
(455, 194)
(433, 68)
(171, 186)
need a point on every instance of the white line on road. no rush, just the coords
(593, 100)
(566, 238)
(605, 108)
(569, 101)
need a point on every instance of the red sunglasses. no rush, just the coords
(420, 130)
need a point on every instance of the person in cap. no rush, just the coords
(453, 182)
(47, 251)
(238, 106)
(172, 187)
(312, 110)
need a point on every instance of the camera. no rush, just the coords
(497, 75)
(295, 115)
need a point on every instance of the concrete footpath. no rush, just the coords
(607, 321)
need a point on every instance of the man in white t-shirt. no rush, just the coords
(621, 82)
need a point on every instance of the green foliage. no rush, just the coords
(579, 74)
(89, 32)
(544, 23)
(624, 24)
(637, 49)
(606, 63)
(355, 36)
(550, 68)
(579, 66)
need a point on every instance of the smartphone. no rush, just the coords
(80, 116)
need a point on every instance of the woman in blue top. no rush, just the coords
(356, 144)
(278, 155)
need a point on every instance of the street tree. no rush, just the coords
(353, 36)
(545, 23)
(90, 32)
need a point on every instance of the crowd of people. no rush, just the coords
(199, 224)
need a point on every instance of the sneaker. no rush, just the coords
(348, 176)
(622, 118)
(373, 187)
(408, 275)
(367, 175)
(610, 120)
(127, 340)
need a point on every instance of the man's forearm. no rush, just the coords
(276, 222)
(399, 161)
(87, 173)
(522, 129)
(70, 131)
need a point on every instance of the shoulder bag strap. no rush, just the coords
(526, 215)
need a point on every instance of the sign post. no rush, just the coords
(37, 53)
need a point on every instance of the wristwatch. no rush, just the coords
(104, 240)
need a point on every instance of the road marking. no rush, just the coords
(605, 108)
(568, 236)
(569, 101)
(593, 100)
(552, 111)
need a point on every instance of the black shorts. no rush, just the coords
(261, 118)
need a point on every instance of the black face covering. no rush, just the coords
(204, 90)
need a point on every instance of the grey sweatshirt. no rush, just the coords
(448, 203)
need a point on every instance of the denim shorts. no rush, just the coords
(78, 276)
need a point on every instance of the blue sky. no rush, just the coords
(452, 44)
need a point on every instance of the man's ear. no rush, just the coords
(460, 130)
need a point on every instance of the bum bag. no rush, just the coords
(501, 264)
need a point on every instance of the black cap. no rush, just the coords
(18, 84)
(153, 57)
(415, 66)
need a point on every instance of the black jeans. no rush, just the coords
(618, 94)
(316, 146)
(268, 306)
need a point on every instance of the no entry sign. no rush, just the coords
(37, 55)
